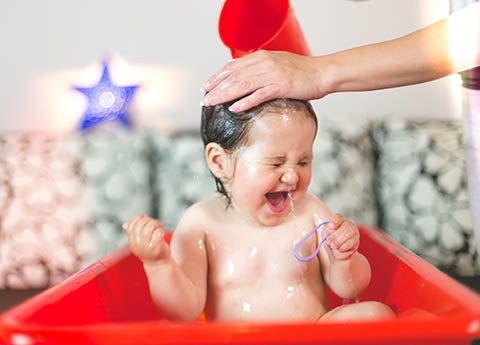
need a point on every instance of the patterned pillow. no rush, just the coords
(62, 200)
(116, 167)
(422, 190)
(342, 175)
(42, 234)
(183, 177)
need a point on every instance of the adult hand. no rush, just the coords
(265, 75)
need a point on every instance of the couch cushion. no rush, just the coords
(422, 190)
(116, 168)
(43, 236)
(342, 174)
(63, 199)
(183, 177)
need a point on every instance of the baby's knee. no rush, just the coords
(378, 310)
(370, 310)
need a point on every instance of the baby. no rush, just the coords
(232, 254)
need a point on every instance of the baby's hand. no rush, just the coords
(343, 239)
(145, 236)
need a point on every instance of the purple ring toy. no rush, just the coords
(308, 258)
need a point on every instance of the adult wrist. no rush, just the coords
(328, 75)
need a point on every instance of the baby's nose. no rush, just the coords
(290, 176)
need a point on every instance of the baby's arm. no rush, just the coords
(178, 281)
(345, 270)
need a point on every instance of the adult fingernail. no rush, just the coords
(205, 87)
(209, 100)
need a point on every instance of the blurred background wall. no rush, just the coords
(171, 47)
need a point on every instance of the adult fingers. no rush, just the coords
(259, 96)
(263, 74)
(257, 82)
(227, 69)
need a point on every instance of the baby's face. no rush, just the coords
(276, 162)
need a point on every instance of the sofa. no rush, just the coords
(64, 197)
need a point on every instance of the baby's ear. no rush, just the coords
(218, 161)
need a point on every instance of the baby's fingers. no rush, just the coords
(336, 221)
(336, 239)
(350, 245)
(129, 226)
(155, 234)
(347, 231)
(159, 249)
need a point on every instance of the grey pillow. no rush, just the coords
(342, 175)
(116, 168)
(182, 175)
(422, 190)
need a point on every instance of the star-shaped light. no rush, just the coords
(106, 102)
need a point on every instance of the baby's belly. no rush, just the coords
(271, 301)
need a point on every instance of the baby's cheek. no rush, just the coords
(305, 180)
(251, 193)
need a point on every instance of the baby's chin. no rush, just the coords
(263, 217)
(273, 222)
(271, 219)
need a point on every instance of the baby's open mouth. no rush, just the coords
(277, 201)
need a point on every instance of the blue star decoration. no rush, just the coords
(106, 102)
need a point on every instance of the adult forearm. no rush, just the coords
(173, 292)
(447, 46)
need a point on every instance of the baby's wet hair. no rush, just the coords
(230, 130)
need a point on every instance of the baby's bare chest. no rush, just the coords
(240, 261)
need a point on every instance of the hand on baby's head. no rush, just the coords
(343, 239)
(145, 237)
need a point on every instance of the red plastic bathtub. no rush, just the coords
(109, 303)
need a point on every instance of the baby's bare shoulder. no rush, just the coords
(199, 216)
(312, 201)
(313, 205)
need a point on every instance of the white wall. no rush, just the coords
(171, 48)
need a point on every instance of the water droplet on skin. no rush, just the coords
(230, 268)
(253, 252)
(246, 307)
(292, 206)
